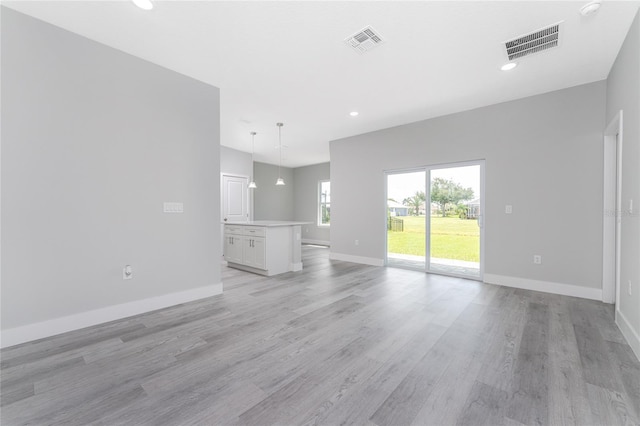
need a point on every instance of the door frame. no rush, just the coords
(612, 209)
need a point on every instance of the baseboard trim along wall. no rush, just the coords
(30, 332)
(316, 242)
(295, 266)
(545, 286)
(629, 333)
(356, 259)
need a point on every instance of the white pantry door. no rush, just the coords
(235, 198)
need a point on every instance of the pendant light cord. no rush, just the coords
(280, 143)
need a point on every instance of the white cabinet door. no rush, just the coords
(255, 252)
(260, 253)
(233, 248)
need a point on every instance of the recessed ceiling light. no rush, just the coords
(143, 4)
(590, 8)
(509, 66)
(354, 113)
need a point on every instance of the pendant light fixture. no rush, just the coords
(252, 184)
(280, 181)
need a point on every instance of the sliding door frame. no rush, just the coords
(427, 169)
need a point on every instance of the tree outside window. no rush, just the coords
(324, 211)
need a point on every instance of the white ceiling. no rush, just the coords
(287, 61)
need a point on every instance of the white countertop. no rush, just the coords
(268, 223)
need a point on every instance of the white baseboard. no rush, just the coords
(356, 259)
(39, 330)
(316, 242)
(545, 286)
(629, 333)
(295, 267)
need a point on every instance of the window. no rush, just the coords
(324, 203)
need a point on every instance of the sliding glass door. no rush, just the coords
(455, 220)
(406, 226)
(435, 219)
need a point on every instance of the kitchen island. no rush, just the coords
(266, 247)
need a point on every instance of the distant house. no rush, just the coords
(473, 208)
(397, 209)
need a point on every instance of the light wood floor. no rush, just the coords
(338, 343)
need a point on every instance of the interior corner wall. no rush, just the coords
(234, 162)
(93, 142)
(273, 202)
(306, 201)
(623, 93)
(543, 155)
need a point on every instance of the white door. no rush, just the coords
(235, 198)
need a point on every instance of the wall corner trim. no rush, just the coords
(356, 259)
(629, 333)
(545, 286)
(39, 330)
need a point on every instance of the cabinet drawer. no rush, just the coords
(255, 231)
(234, 230)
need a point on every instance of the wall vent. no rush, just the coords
(535, 42)
(364, 40)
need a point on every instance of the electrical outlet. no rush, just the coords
(629, 287)
(356, 242)
(537, 259)
(508, 209)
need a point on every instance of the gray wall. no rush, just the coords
(273, 202)
(235, 162)
(306, 201)
(93, 142)
(623, 92)
(543, 156)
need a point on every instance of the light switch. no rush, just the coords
(127, 272)
(173, 207)
(508, 209)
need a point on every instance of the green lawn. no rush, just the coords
(451, 238)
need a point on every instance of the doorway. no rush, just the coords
(612, 210)
(435, 219)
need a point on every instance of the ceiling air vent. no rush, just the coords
(535, 42)
(364, 40)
